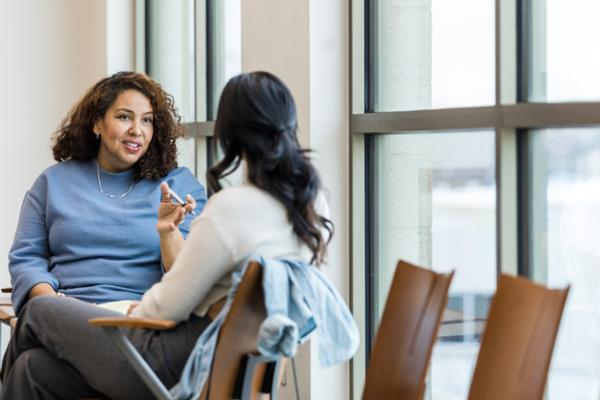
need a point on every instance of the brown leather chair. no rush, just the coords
(517, 342)
(406, 334)
(236, 350)
(238, 371)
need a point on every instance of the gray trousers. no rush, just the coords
(55, 354)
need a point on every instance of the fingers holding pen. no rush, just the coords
(181, 216)
(169, 213)
(169, 194)
(165, 192)
(191, 204)
(172, 209)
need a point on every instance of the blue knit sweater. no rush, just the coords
(87, 245)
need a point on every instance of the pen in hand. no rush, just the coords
(178, 200)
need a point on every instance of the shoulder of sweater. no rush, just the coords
(183, 176)
(182, 181)
(248, 196)
(241, 198)
(59, 171)
(181, 172)
(237, 195)
(63, 167)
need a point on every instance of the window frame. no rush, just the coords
(511, 117)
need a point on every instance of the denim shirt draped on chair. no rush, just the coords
(299, 300)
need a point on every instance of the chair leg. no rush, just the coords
(138, 363)
(270, 383)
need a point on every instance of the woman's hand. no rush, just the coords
(42, 289)
(170, 214)
(132, 306)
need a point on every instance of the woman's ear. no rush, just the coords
(96, 129)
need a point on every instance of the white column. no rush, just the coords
(120, 36)
(404, 166)
(306, 44)
(171, 60)
(330, 138)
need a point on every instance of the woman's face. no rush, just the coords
(125, 131)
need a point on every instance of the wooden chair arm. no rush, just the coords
(215, 308)
(6, 313)
(131, 322)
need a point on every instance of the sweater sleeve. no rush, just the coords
(203, 261)
(183, 182)
(29, 254)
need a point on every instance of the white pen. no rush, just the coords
(178, 199)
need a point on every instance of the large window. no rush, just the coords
(562, 33)
(192, 47)
(565, 166)
(468, 156)
(434, 205)
(432, 54)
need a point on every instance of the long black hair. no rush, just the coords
(256, 121)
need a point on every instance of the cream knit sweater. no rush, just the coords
(235, 223)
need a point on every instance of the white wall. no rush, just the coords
(330, 138)
(50, 52)
(119, 30)
(275, 38)
(306, 44)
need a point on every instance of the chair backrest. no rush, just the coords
(237, 338)
(406, 334)
(517, 342)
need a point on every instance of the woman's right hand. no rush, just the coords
(42, 289)
(170, 214)
(132, 306)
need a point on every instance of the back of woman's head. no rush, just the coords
(256, 121)
(75, 138)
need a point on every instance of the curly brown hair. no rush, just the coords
(75, 139)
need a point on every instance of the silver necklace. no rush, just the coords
(112, 196)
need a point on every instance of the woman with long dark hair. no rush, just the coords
(249, 128)
(278, 212)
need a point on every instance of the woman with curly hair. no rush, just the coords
(88, 226)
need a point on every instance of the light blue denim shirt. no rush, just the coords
(299, 300)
